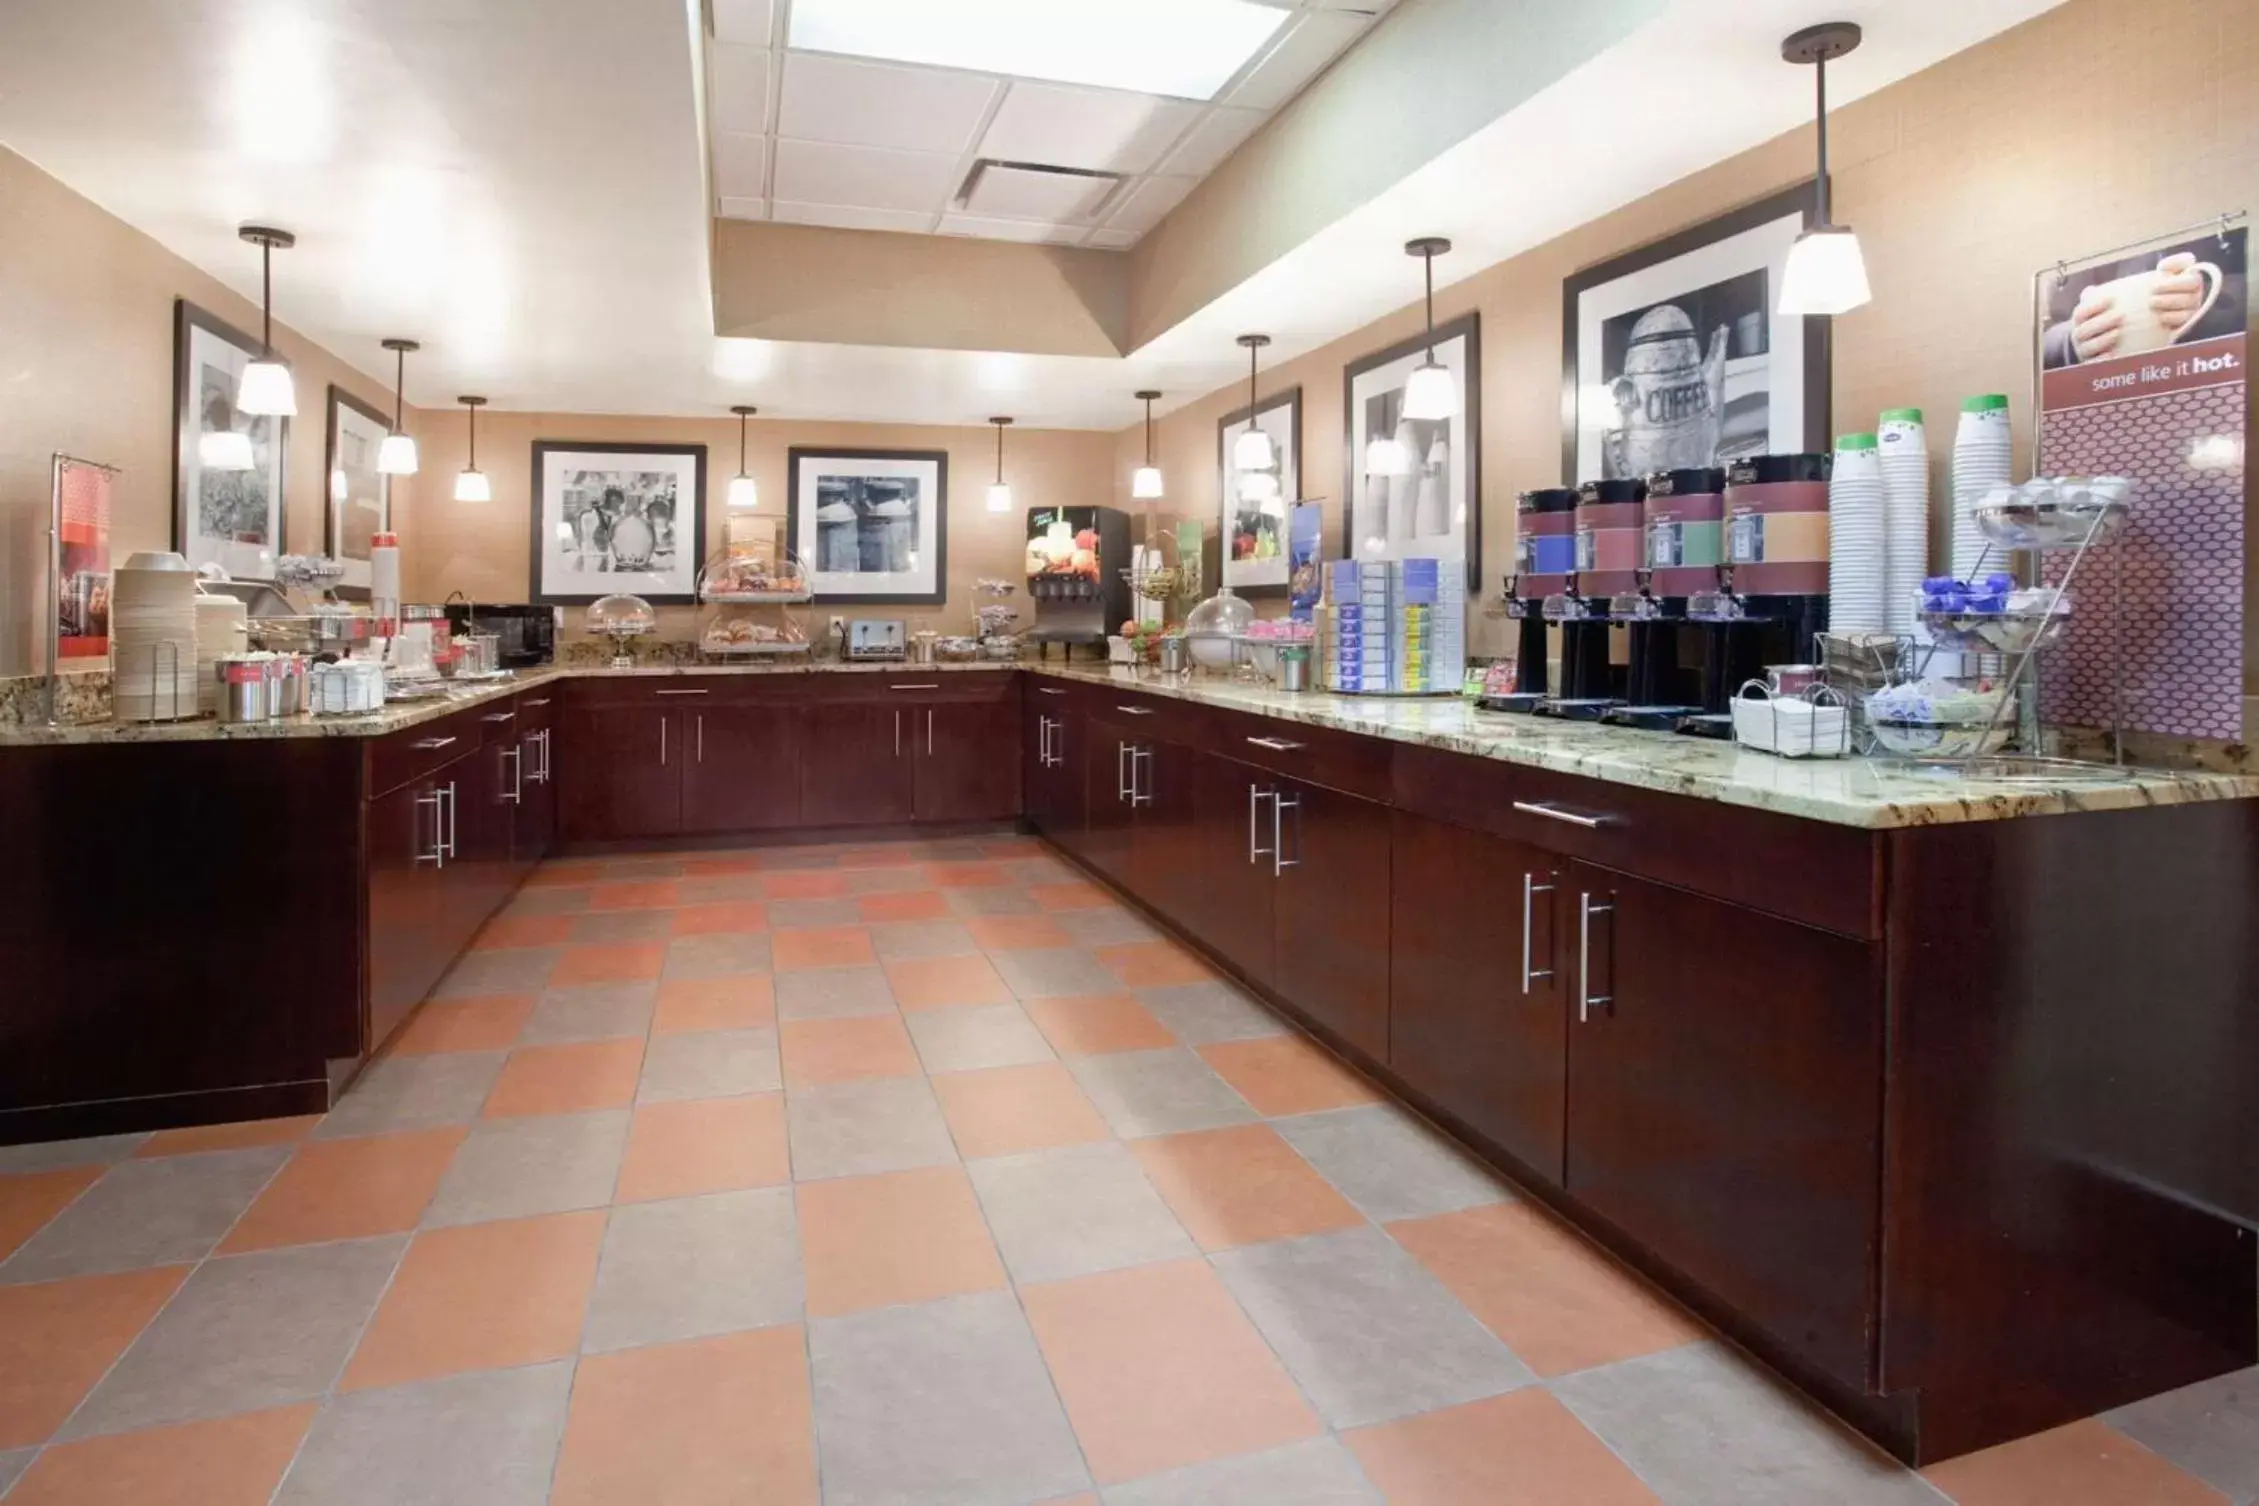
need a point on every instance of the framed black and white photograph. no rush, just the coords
(1254, 504)
(359, 496)
(617, 517)
(1673, 357)
(1415, 484)
(871, 526)
(228, 467)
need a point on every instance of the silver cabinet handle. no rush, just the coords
(1048, 690)
(1121, 774)
(662, 742)
(684, 692)
(432, 744)
(921, 686)
(701, 737)
(536, 705)
(897, 734)
(1276, 744)
(541, 764)
(453, 814)
(516, 793)
(1280, 805)
(437, 857)
(1531, 888)
(499, 716)
(1139, 794)
(1256, 795)
(929, 732)
(1135, 710)
(1586, 1003)
(1555, 813)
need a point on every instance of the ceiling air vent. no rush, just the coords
(1036, 191)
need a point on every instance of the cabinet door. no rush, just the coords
(485, 789)
(1106, 761)
(1232, 810)
(619, 773)
(1332, 903)
(741, 767)
(1166, 867)
(967, 755)
(1725, 1103)
(406, 951)
(535, 830)
(1478, 1014)
(859, 769)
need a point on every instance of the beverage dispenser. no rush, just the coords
(1076, 557)
(1772, 600)
(1545, 557)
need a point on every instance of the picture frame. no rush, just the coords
(1435, 511)
(609, 518)
(237, 519)
(1722, 375)
(356, 496)
(1258, 525)
(871, 527)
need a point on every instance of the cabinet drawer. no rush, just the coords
(895, 687)
(676, 690)
(1810, 871)
(1316, 755)
(1151, 716)
(396, 759)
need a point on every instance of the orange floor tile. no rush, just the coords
(1017, 933)
(634, 894)
(1002, 1111)
(940, 982)
(1098, 1024)
(821, 1051)
(821, 946)
(910, 904)
(347, 1189)
(1522, 1449)
(902, 1236)
(489, 1024)
(1153, 964)
(1241, 1186)
(727, 916)
(704, 1145)
(566, 1079)
(627, 962)
(58, 1337)
(2089, 1463)
(29, 1199)
(505, 931)
(740, 1001)
(230, 1461)
(1287, 1074)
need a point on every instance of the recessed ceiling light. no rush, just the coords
(1185, 48)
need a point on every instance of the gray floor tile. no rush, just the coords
(1164, 1092)
(511, 1168)
(1704, 1428)
(833, 993)
(908, 940)
(996, 901)
(973, 1036)
(1074, 1211)
(518, 970)
(727, 888)
(590, 1012)
(885, 880)
(952, 850)
(549, 899)
(484, 1439)
(49, 1155)
(693, 1266)
(631, 870)
(855, 1128)
(245, 1332)
(1031, 871)
(1389, 1163)
(413, 1092)
(1364, 1328)
(796, 859)
(1201, 1014)
(1110, 926)
(1055, 972)
(155, 1212)
(2210, 1429)
(1319, 1472)
(943, 1404)
(613, 927)
(710, 1064)
(788, 914)
(718, 955)
(14, 1462)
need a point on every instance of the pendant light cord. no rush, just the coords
(1820, 77)
(399, 384)
(1429, 260)
(1149, 431)
(741, 418)
(267, 297)
(474, 437)
(999, 454)
(1253, 351)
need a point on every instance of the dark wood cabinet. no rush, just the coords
(1725, 1104)
(966, 753)
(742, 767)
(1107, 757)
(859, 770)
(1331, 910)
(1167, 865)
(1236, 915)
(410, 930)
(534, 831)
(1055, 795)
(619, 772)
(1478, 1019)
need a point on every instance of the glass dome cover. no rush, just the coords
(621, 616)
(1222, 614)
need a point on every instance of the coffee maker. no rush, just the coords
(1546, 556)
(1682, 537)
(1608, 526)
(1075, 562)
(1771, 604)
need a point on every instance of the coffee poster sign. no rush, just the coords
(1673, 356)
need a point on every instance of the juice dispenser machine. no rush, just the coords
(1076, 559)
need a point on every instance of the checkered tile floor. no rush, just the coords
(914, 1173)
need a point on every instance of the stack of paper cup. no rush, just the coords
(219, 630)
(1856, 569)
(1981, 460)
(153, 639)
(1906, 515)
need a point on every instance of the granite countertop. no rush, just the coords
(1874, 794)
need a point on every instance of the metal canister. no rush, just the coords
(1294, 666)
(1609, 519)
(1777, 525)
(1176, 655)
(1685, 517)
(1546, 542)
(290, 686)
(243, 687)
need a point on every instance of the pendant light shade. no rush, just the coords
(1253, 450)
(265, 390)
(224, 450)
(397, 455)
(472, 485)
(744, 491)
(1388, 456)
(1145, 484)
(1432, 392)
(1000, 495)
(1826, 272)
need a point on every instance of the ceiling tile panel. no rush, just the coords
(1101, 129)
(843, 217)
(1215, 136)
(738, 85)
(740, 163)
(865, 177)
(857, 103)
(746, 22)
(1144, 206)
(1017, 194)
(1304, 49)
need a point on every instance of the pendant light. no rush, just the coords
(744, 491)
(472, 485)
(1826, 273)
(1000, 495)
(266, 390)
(1253, 452)
(1146, 483)
(397, 455)
(1431, 393)
(225, 450)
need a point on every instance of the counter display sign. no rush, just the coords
(2142, 374)
(82, 559)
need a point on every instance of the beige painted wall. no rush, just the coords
(484, 550)
(86, 367)
(2098, 123)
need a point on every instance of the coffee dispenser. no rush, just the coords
(1608, 525)
(1683, 538)
(1546, 556)
(1772, 601)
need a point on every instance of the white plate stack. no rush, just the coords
(153, 639)
(1906, 516)
(219, 630)
(1855, 537)
(1981, 459)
